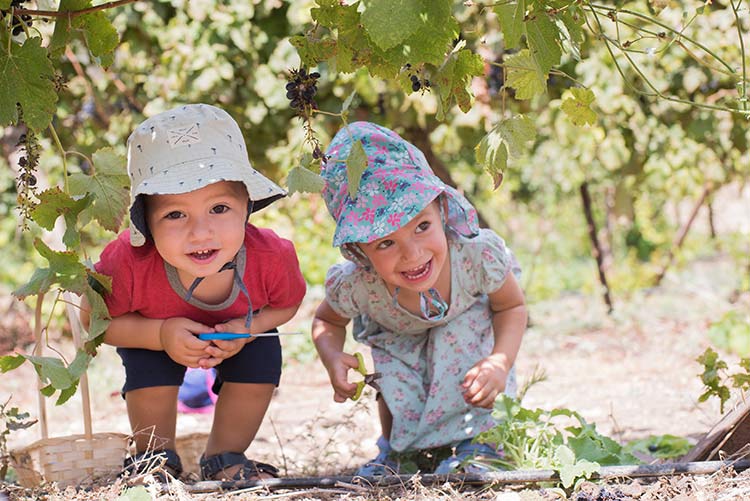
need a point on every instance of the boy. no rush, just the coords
(191, 264)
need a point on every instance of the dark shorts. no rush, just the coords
(258, 362)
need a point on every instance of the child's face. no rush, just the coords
(413, 256)
(200, 231)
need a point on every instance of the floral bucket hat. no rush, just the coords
(396, 185)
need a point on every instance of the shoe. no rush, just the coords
(251, 470)
(464, 459)
(380, 465)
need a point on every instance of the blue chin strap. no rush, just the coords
(238, 280)
(431, 304)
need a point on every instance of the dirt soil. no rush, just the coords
(633, 373)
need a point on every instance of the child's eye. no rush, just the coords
(384, 244)
(175, 214)
(220, 209)
(423, 226)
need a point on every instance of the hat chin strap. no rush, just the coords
(237, 279)
(433, 307)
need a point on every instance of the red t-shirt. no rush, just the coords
(140, 283)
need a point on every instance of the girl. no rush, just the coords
(434, 297)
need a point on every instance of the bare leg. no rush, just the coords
(239, 413)
(153, 417)
(386, 418)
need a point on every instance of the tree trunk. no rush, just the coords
(595, 245)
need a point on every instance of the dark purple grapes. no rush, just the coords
(301, 89)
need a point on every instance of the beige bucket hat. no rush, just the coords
(185, 149)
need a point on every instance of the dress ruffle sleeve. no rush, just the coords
(491, 261)
(343, 290)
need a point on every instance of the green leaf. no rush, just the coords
(26, 77)
(453, 82)
(79, 364)
(577, 106)
(506, 139)
(348, 102)
(327, 14)
(570, 469)
(302, 180)
(97, 30)
(511, 17)
(432, 39)
(5, 4)
(10, 362)
(543, 39)
(137, 493)
(41, 281)
(53, 370)
(311, 51)
(524, 76)
(109, 184)
(67, 393)
(65, 270)
(390, 22)
(54, 203)
(356, 163)
(99, 318)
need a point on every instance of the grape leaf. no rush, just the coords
(100, 35)
(543, 39)
(26, 79)
(356, 163)
(65, 270)
(327, 14)
(430, 42)
(302, 180)
(79, 364)
(506, 139)
(524, 76)
(312, 52)
(53, 370)
(98, 316)
(453, 82)
(10, 362)
(511, 17)
(67, 393)
(5, 4)
(577, 106)
(109, 184)
(54, 203)
(390, 22)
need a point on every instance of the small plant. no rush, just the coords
(716, 379)
(13, 419)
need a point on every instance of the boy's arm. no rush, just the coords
(329, 335)
(176, 336)
(486, 380)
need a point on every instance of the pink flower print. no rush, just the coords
(410, 198)
(419, 187)
(390, 185)
(411, 415)
(434, 390)
(395, 219)
(378, 200)
(433, 417)
(399, 395)
(351, 217)
(368, 215)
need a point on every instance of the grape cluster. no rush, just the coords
(302, 88)
(18, 21)
(417, 83)
(26, 182)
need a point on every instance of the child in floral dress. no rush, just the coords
(432, 294)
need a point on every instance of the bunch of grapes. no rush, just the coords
(417, 83)
(18, 21)
(26, 181)
(301, 89)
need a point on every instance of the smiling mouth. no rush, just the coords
(203, 255)
(419, 272)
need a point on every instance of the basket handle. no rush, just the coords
(76, 328)
(38, 350)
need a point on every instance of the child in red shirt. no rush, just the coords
(192, 264)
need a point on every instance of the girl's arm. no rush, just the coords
(486, 380)
(329, 335)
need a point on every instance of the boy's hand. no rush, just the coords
(178, 338)
(221, 349)
(338, 368)
(485, 381)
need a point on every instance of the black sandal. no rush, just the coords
(159, 463)
(251, 470)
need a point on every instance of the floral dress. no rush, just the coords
(423, 362)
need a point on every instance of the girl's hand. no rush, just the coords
(179, 339)
(338, 369)
(485, 381)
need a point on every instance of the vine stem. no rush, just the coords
(738, 22)
(63, 154)
(74, 13)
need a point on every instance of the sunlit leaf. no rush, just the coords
(52, 370)
(577, 106)
(54, 203)
(507, 139)
(302, 180)
(356, 163)
(100, 35)
(99, 317)
(10, 362)
(524, 76)
(511, 16)
(109, 184)
(390, 22)
(26, 78)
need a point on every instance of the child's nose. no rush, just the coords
(411, 251)
(200, 228)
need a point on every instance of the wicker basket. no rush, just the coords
(73, 459)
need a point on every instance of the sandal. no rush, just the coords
(159, 463)
(251, 470)
(381, 464)
(469, 458)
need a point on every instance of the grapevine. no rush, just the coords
(26, 180)
(19, 21)
(300, 90)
